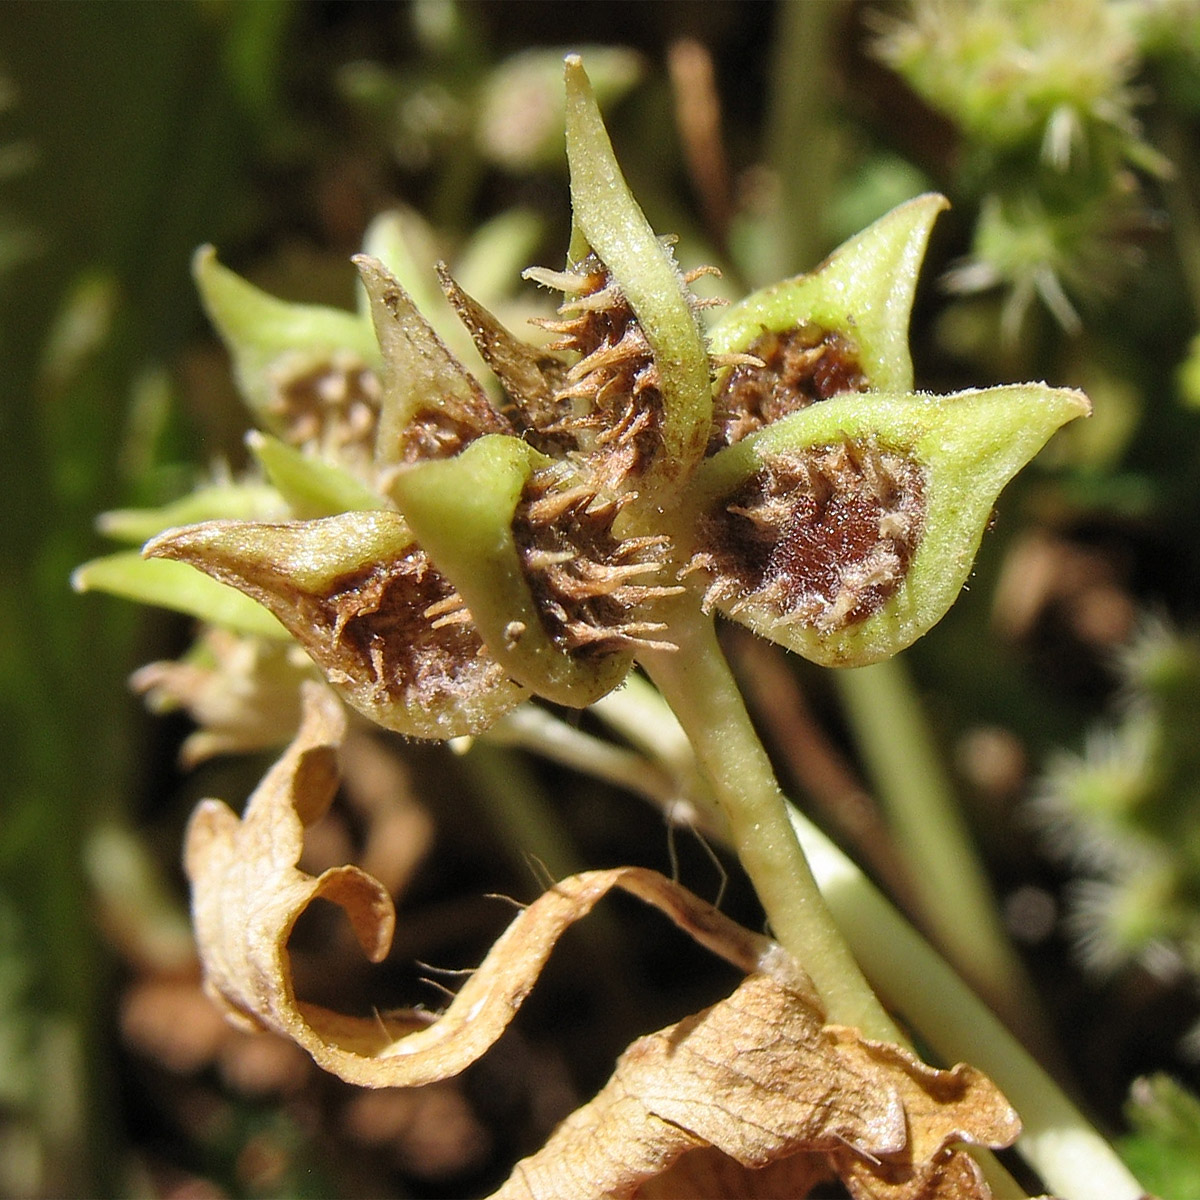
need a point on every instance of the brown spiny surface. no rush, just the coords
(822, 537)
(588, 583)
(610, 397)
(380, 636)
(799, 367)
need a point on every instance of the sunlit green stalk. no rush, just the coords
(957, 907)
(540, 732)
(1058, 1141)
(696, 682)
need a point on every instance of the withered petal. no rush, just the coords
(355, 591)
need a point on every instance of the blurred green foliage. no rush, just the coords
(138, 124)
(1164, 1147)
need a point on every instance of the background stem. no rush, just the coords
(803, 84)
(954, 898)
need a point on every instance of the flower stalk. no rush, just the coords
(1058, 1141)
(698, 686)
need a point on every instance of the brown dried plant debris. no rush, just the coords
(242, 692)
(248, 893)
(758, 1079)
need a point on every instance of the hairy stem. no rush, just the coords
(696, 682)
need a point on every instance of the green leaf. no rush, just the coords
(177, 586)
(846, 530)
(225, 501)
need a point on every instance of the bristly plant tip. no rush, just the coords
(542, 541)
(456, 546)
(445, 547)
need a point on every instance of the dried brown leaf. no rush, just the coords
(943, 1108)
(708, 1172)
(248, 894)
(760, 1079)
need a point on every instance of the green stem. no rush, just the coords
(956, 903)
(523, 819)
(1074, 1161)
(638, 714)
(540, 732)
(1185, 217)
(696, 682)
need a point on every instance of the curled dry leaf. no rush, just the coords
(248, 893)
(757, 1083)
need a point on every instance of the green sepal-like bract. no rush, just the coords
(899, 485)
(354, 591)
(432, 405)
(462, 510)
(863, 291)
(266, 335)
(614, 226)
(175, 586)
(311, 486)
